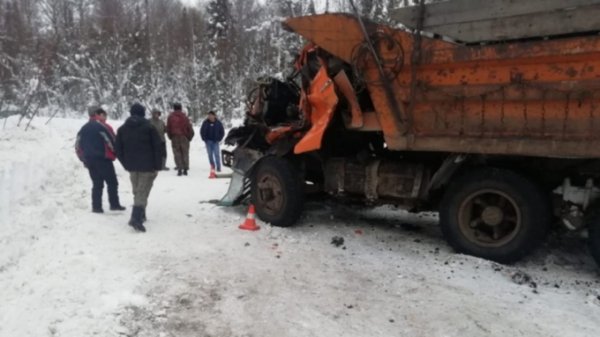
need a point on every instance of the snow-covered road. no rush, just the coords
(67, 272)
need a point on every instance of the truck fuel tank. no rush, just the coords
(376, 179)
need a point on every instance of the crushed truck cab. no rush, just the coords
(502, 137)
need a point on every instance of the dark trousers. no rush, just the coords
(101, 171)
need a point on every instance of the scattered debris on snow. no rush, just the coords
(337, 241)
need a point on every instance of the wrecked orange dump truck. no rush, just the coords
(500, 135)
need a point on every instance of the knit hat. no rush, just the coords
(137, 110)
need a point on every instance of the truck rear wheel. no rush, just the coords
(277, 192)
(494, 214)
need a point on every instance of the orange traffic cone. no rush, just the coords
(250, 223)
(212, 174)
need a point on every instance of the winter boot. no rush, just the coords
(144, 215)
(136, 219)
(185, 172)
(179, 172)
(97, 199)
(133, 215)
(132, 218)
(113, 197)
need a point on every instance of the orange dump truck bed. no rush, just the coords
(536, 98)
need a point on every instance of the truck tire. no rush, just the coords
(594, 237)
(494, 214)
(277, 191)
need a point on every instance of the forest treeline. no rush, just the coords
(60, 56)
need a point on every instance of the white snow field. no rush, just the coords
(67, 272)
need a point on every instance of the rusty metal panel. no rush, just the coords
(340, 34)
(536, 98)
(375, 179)
(492, 20)
(553, 148)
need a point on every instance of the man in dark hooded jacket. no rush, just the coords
(139, 149)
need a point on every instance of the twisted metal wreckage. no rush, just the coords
(491, 120)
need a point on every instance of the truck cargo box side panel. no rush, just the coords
(535, 98)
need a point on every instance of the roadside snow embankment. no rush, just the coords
(64, 270)
(33, 175)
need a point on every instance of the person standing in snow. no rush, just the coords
(161, 128)
(95, 147)
(212, 133)
(139, 149)
(180, 132)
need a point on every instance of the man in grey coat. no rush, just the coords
(162, 130)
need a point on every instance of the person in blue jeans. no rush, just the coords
(212, 133)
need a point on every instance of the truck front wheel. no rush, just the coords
(277, 192)
(494, 214)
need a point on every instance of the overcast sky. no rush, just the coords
(189, 2)
(195, 2)
(319, 4)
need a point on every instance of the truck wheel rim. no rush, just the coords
(270, 194)
(489, 218)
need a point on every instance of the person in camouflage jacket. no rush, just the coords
(161, 128)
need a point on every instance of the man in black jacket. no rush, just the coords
(139, 149)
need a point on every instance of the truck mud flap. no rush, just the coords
(239, 189)
(239, 186)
